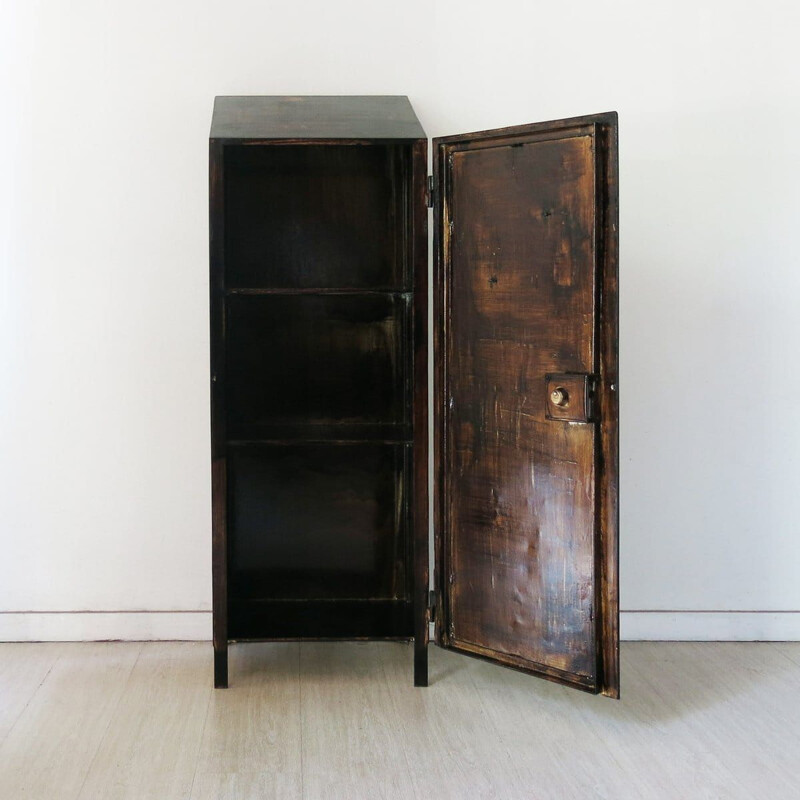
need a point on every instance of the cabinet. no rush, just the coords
(319, 384)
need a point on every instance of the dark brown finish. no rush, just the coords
(319, 371)
(320, 620)
(339, 360)
(218, 431)
(418, 214)
(295, 223)
(319, 380)
(525, 283)
(318, 521)
(309, 118)
(607, 408)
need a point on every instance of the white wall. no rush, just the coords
(104, 492)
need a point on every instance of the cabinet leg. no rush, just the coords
(221, 667)
(420, 663)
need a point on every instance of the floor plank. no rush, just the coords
(251, 741)
(790, 650)
(48, 752)
(453, 745)
(150, 749)
(321, 721)
(351, 745)
(23, 668)
(652, 743)
(547, 736)
(734, 698)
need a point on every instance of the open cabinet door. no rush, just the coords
(526, 398)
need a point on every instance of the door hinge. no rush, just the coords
(431, 606)
(430, 191)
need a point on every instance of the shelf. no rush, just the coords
(317, 619)
(336, 433)
(257, 443)
(293, 292)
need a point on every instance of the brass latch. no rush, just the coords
(570, 397)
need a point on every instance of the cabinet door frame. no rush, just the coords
(603, 129)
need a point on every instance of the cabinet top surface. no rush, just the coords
(315, 117)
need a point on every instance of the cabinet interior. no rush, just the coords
(318, 322)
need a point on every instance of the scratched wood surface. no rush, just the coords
(519, 252)
(136, 721)
(521, 489)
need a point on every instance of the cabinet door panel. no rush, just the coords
(526, 414)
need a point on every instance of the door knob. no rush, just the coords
(559, 397)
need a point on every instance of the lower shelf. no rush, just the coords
(319, 619)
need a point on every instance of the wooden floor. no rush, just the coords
(139, 721)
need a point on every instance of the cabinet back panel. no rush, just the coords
(313, 360)
(315, 216)
(318, 521)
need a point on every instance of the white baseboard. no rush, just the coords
(80, 626)
(76, 626)
(714, 626)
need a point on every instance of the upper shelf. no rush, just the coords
(317, 117)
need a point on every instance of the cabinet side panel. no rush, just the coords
(418, 215)
(218, 436)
